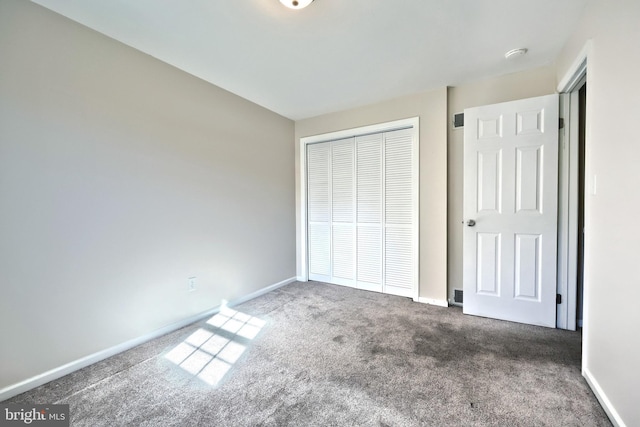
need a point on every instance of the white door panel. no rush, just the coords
(318, 170)
(318, 205)
(369, 212)
(369, 261)
(398, 269)
(398, 177)
(398, 214)
(342, 171)
(343, 212)
(319, 252)
(510, 191)
(343, 236)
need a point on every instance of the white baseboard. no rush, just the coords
(613, 415)
(261, 292)
(432, 301)
(53, 374)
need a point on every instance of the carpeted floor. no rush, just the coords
(312, 354)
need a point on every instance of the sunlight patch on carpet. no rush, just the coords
(209, 354)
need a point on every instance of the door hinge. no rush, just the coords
(561, 123)
(558, 299)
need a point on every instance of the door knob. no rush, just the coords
(471, 223)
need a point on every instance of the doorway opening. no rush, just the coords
(582, 115)
(573, 189)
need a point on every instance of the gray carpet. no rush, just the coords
(315, 354)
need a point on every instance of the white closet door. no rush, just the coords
(318, 211)
(369, 212)
(343, 230)
(398, 213)
(362, 207)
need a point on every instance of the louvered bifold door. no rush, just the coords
(369, 212)
(343, 230)
(398, 213)
(318, 211)
(362, 208)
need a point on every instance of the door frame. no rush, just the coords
(414, 123)
(576, 76)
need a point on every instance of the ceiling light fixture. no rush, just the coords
(514, 53)
(296, 4)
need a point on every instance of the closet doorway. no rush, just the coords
(360, 207)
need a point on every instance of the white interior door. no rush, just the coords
(510, 210)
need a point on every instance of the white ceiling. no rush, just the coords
(335, 54)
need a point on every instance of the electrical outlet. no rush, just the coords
(191, 284)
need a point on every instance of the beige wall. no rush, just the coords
(510, 87)
(120, 177)
(612, 259)
(431, 108)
